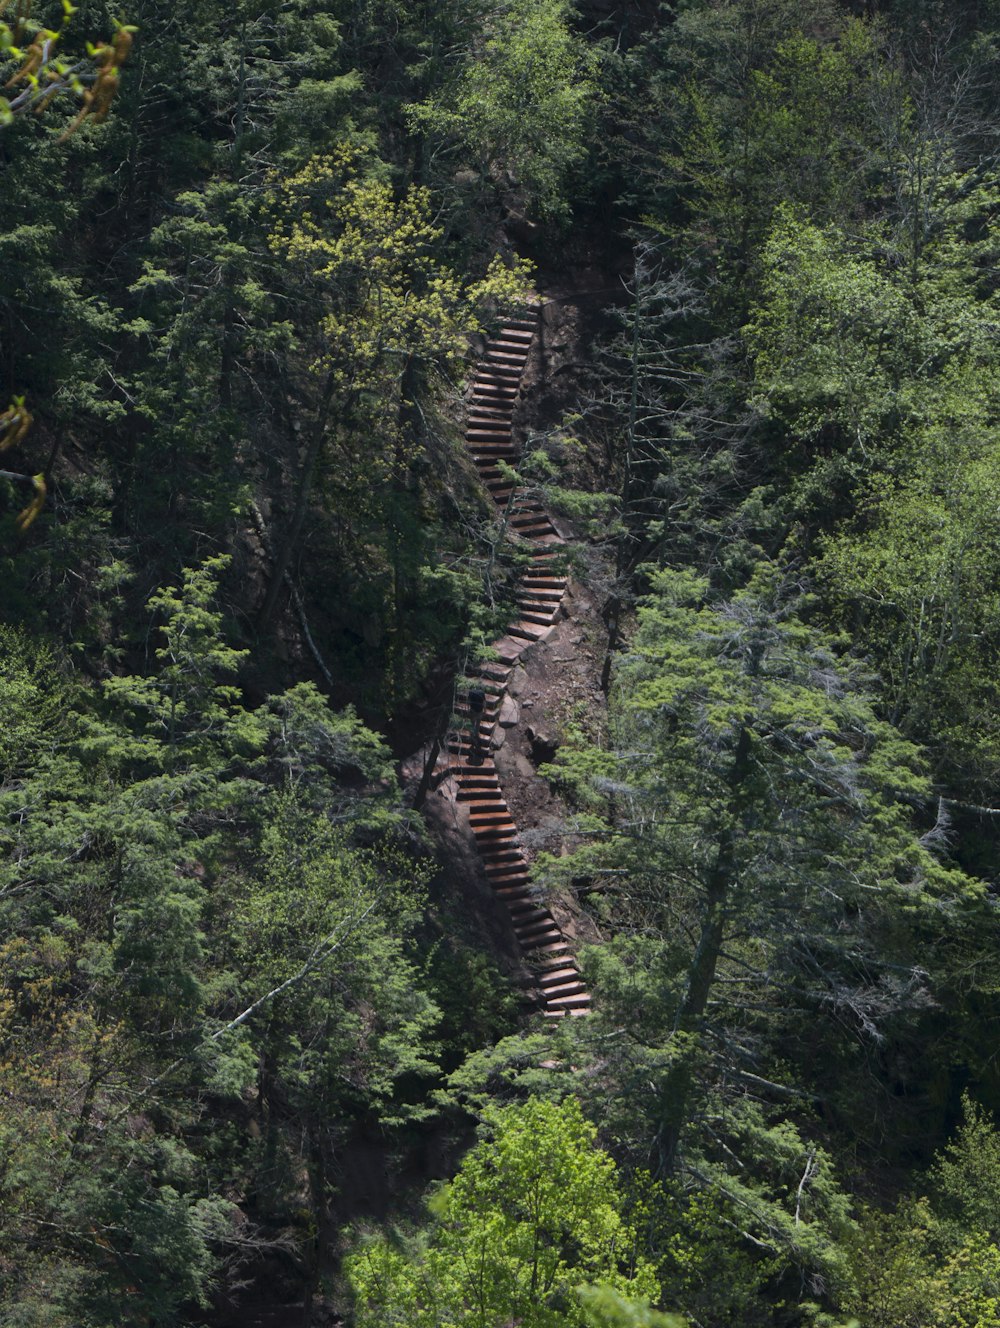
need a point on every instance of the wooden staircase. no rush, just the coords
(489, 437)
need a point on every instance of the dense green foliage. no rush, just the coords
(533, 1215)
(246, 252)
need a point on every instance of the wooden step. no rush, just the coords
(538, 934)
(500, 871)
(491, 408)
(485, 717)
(486, 793)
(489, 419)
(531, 522)
(576, 1001)
(547, 948)
(520, 910)
(518, 341)
(513, 893)
(504, 353)
(552, 599)
(529, 631)
(496, 865)
(492, 820)
(542, 932)
(526, 913)
(502, 855)
(526, 916)
(497, 375)
(559, 995)
(507, 352)
(547, 590)
(543, 963)
(501, 409)
(555, 977)
(514, 883)
(543, 922)
(494, 396)
(487, 446)
(520, 896)
(509, 649)
(493, 671)
(508, 362)
(500, 859)
(466, 758)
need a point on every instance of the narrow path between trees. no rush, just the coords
(489, 437)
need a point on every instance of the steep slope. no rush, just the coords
(490, 439)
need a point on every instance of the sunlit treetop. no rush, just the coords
(39, 71)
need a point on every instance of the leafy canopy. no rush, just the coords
(534, 1213)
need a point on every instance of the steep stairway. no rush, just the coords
(490, 439)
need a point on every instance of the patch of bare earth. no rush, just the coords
(555, 691)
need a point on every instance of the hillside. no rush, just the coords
(499, 736)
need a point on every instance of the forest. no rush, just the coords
(721, 276)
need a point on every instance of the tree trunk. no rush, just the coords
(676, 1090)
(303, 492)
(613, 608)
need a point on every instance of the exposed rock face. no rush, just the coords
(510, 713)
